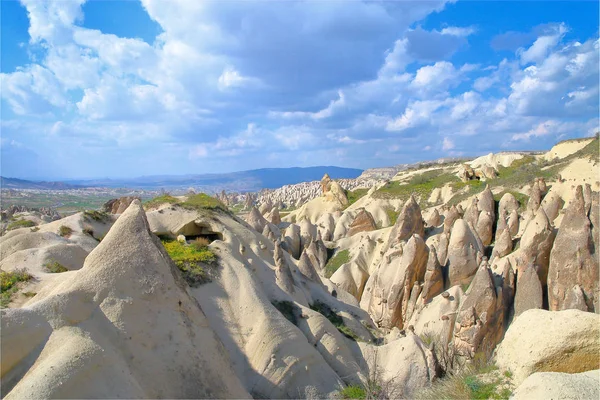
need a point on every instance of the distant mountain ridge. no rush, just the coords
(251, 180)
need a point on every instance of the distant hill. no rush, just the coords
(252, 180)
(14, 183)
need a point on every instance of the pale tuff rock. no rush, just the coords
(536, 244)
(503, 244)
(292, 239)
(391, 360)
(127, 288)
(342, 225)
(326, 226)
(266, 207)
(283, 275)
(552, 204)
(513, 223)
(556, 341)
(556, 385)
(352, 278)
(535, 198)
(118, 206)
(486, 201)
(508, 203)
(410, 222)
(451, 216)
(387, 291)
(484, 227)
(273, 216)
(575, 299)
(256, 220)
(308, 233)
(479, 323)
(316, 257)
(529, 291)
(572, 261)
(464, 254)
(472, 212)
(434, 219)
(434, 278)
(363, 222)
(587, 197)
(332, 191)
(308, 269)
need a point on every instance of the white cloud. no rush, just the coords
(542, 46)
(326, 112)
(447, 144)
(439, 76)
(458, 31)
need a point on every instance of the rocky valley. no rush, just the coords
(455, 279)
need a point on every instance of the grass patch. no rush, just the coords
(355, 195)
(521, 198)
(288, 309)
(98, 216)
(21, 223)
(157, 201)
(9, 284)
(191, 260)
(204, 201)
(29, 294)
(54, 267)
(65, 231)
(340, 258)
(335, 319)
(392, 215)
(421, 185)
(353, 392)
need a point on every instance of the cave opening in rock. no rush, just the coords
(195, 230)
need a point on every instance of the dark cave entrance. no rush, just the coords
(195, 230)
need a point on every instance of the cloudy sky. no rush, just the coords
(130, 88)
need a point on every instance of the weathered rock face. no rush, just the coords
(256, 220)
(503, 244)
(464, 254)
(434, 277)
(308, 233)
(410, 222)
(513, 223)
(552, 204)
(572, 261)
(451, 216)
(352, 278)
(556, 341)
(387, 292)
(536, 244)
(118, 206)
(333, 191)
(308, 269)
(266, 207)
(82, 329)
(479, 323)
(363, 222)
(274, 217)
(529, 291)
(434, 219)
(508, 203)
(283, 275)
(292, 240)
(556, 385)
(484, 227)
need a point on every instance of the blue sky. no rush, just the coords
(130, 88)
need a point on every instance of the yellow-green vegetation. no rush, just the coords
(340, 258)
(203, 201)
(54, 267)
(34, 229)
(521, 198)
(65, 231)
(95, 215)
(288, 309)
(421, 185)
(355, 195)
(335, 319)
(200, 201)
(9, 284)
(191, 260)
(475, 381)
(392, 215)
(473, 187)
(88, 230)
(21, 223)
(353, 392)
(162, 199)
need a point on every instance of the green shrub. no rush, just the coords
(162, 199)
(353, 392)
(339, 259)
(355, 195)
(203, 201)
(421, 185)
(335, 319)
(21, 223)
(191, 260)
(9, 284)
(65, 231)
(288, 309)
(98, 216)
(54, 267)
